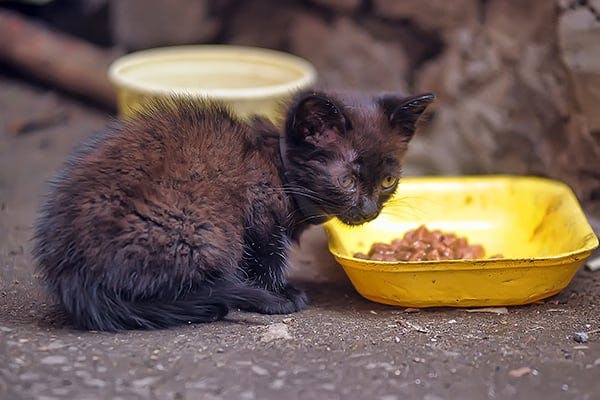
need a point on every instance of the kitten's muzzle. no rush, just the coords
(368, 211)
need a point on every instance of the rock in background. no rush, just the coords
(507, 100)
(518, 82)
(579, 43)
(138, 24)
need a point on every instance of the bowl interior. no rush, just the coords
(518, 217)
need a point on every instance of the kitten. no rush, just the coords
(186, 211)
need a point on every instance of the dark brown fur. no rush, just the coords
(186, 211)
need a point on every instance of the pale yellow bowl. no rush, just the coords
(536, 224)
(250, 80)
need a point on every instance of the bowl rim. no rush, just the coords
(119, 78)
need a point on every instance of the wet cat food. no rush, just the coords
(421, 244)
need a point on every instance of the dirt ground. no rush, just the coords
(341, 347)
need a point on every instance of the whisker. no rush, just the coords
(400, 214)
(420, 199)
(300, 191)
(306, 219)
(407, 211)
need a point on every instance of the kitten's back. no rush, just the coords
(150, 210)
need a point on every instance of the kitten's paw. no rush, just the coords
(286, 301)
(292, 300)
(296, 296)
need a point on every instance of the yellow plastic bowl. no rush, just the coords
(536, 224)
(251, 80)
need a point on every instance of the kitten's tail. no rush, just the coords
(99, 310)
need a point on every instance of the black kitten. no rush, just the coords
(186, 211)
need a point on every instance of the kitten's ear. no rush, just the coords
(314, 118)
(405, 112)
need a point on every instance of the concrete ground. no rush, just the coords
(341, 347)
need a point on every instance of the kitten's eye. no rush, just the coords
(347, 182)
(388, 182)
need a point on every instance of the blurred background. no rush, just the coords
(518, 82)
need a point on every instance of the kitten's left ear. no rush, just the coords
(404, 112)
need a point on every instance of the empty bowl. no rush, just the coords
(250, 80)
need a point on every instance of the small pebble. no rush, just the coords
(493, 310)
(519, 372)
(277, 384)
(593, 264)
(274, 332)
(53, 360)
(143, 382)
(94, 382)
(581, 337)
(328, 386)
(259, 370)
(55, 344)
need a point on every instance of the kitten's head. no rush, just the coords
(345, 152)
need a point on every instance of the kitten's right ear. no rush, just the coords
(405, 112)
(314, 118)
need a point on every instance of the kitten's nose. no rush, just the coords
(369, 209)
